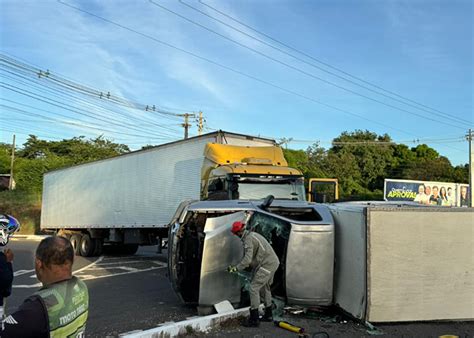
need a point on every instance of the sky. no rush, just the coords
(299, 70)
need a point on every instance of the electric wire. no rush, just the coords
(20, 133)
(299, 70)
(289, 91)
(85, 103)
(62, 105)
(95, 93)
(75, 121)
(23, 72)
(315, 59)
(95, 106)
(24, 112)
(318, 67)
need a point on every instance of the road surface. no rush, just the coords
(130, 293)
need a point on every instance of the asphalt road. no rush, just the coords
(126, 293)
(130, 293)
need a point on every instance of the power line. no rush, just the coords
(289, 91)
(83, 89)
(24, 112)
(17, 72)
(62, 105)
(15, 131)
(429, 140)
(56, 92)
(316, 60)
(299, 70)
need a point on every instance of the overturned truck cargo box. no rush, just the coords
(399, 263)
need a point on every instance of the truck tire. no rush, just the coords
(76, 243)
(98, 247)
(87, 246)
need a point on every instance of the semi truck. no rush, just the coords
(129, 200)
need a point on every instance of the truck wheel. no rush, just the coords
(76, 242)
(87, 246)
(98, 247)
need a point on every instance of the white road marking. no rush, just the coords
(105, 266)
(119, 273)
(39, 284)
(22, 272)
(123, 259)
(89, 265)
(127, 268)
(130, 262)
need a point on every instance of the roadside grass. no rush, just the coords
(24, 206)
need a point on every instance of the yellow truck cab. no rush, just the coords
(248, 172)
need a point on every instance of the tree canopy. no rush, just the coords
(39, 156)
(361, 160)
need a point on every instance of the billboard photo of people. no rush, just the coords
(434, 198)
(428, 193)
(422, 197)
(451, 197)
(464, 196)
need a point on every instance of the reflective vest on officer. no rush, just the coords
(67, 304)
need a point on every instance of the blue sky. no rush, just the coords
(421, 50)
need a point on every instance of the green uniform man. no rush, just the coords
(60, 307)
(259, 255)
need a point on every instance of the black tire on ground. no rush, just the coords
(98, 247)
(76, 243)
(86, 247)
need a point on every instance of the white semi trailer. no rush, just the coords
(128, 200)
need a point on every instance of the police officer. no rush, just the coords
(60, 307)
(259, 255)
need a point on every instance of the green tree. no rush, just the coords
(39, 156)
(372, 157)
(461, 174)
(5, 159)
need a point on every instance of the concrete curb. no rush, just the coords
(195, 324)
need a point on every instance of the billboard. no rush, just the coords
(427, 192)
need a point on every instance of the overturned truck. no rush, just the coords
(201, 247)
(378, 261)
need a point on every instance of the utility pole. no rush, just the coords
(10, 181)
(186, 124)
(200, 123)
(469, 137)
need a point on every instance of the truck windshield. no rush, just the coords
(284, 189)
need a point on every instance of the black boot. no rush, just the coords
(253, 320)
(268, 316)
